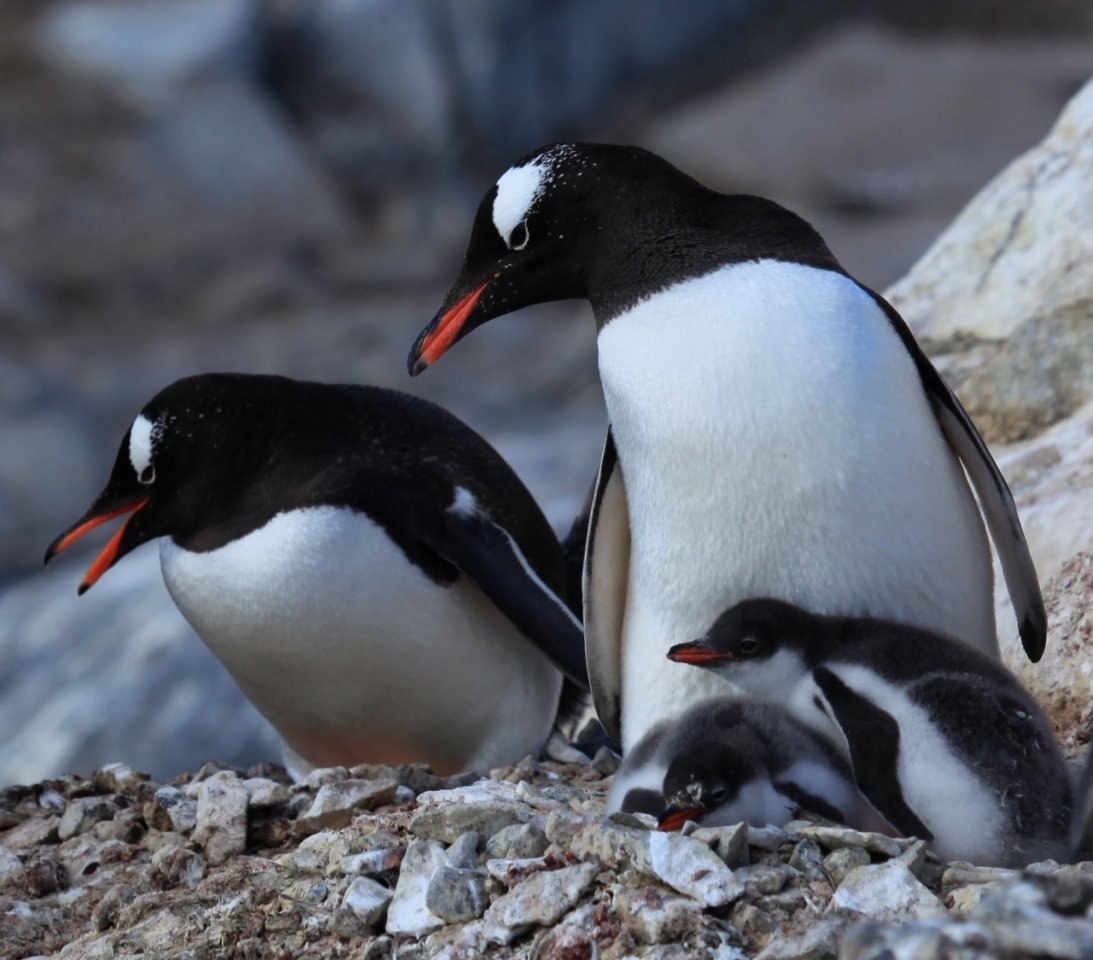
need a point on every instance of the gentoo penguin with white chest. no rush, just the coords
(728, 760)
(774, 428)
(943, 741)
(378, 581)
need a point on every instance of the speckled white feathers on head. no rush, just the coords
(142, 437)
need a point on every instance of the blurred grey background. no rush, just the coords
(287, 185)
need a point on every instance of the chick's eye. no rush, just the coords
(518, 239)
(147, 475)
(749, 645)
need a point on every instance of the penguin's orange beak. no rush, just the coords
(674, 817)
(109, 554)
(446, 328)
(697, 652)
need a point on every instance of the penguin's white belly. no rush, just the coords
(354, 654)
(775, 440)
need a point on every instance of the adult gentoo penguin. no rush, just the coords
(732, 759)
(774, 428)
(375, 577)
(943, 741)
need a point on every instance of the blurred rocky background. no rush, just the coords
(286, 186)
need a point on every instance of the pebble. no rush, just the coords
(339, 800)
(367, 900)
(373, 861)
(730, 843)
(263, 794)
(887, 891)
(171, 809)
(457, 894)
(221, 828)
(485, 818)
(692, 868)
(463, 853)
(840, 862)
(835, 838)
(655, 915)
(517, 841)
(541, 900)
(409, 913)
(83, 813)
(177, 865)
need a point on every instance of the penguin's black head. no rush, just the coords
(702, 778)
(753, 630)
(546, 230)
(180, 465)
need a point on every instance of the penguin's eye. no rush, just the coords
(719, 795)
(147, 475)
(518, 239)
(749, 646)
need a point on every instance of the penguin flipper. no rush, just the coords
(872, 736)
(995, 498)
(606, 573)
(489, 556)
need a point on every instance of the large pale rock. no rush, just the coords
(1063, 680)
(1042, 373)
(1052, 481)
(1022, 248)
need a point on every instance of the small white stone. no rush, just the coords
(408, 915)
(541, 900)
(692, 868)
(888, 892)
(367, 899)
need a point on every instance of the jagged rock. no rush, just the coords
(834, 838)
(221, 827)
(176, 865)
(373, 861)
(12, 875)
(692, 868)
(409, 913)
(1066, 693)
(367, 900)
(83, 813)
(171, 809)
(484, 808)
(263, 794)
(519, 841)
(842, 860)
(730, 843)
(337, 803)
(655, 916)
(1022, 248)
(887, 891)
(463, 853)
(541, 900)
(457, 894)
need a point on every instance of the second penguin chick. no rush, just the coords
(943, 741)
(736, 759)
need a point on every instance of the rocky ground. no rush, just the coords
(379, 862)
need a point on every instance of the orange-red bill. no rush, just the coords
(105, 560)
(689, 654)
(447, 331)
(674, 819)
(66, 540)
